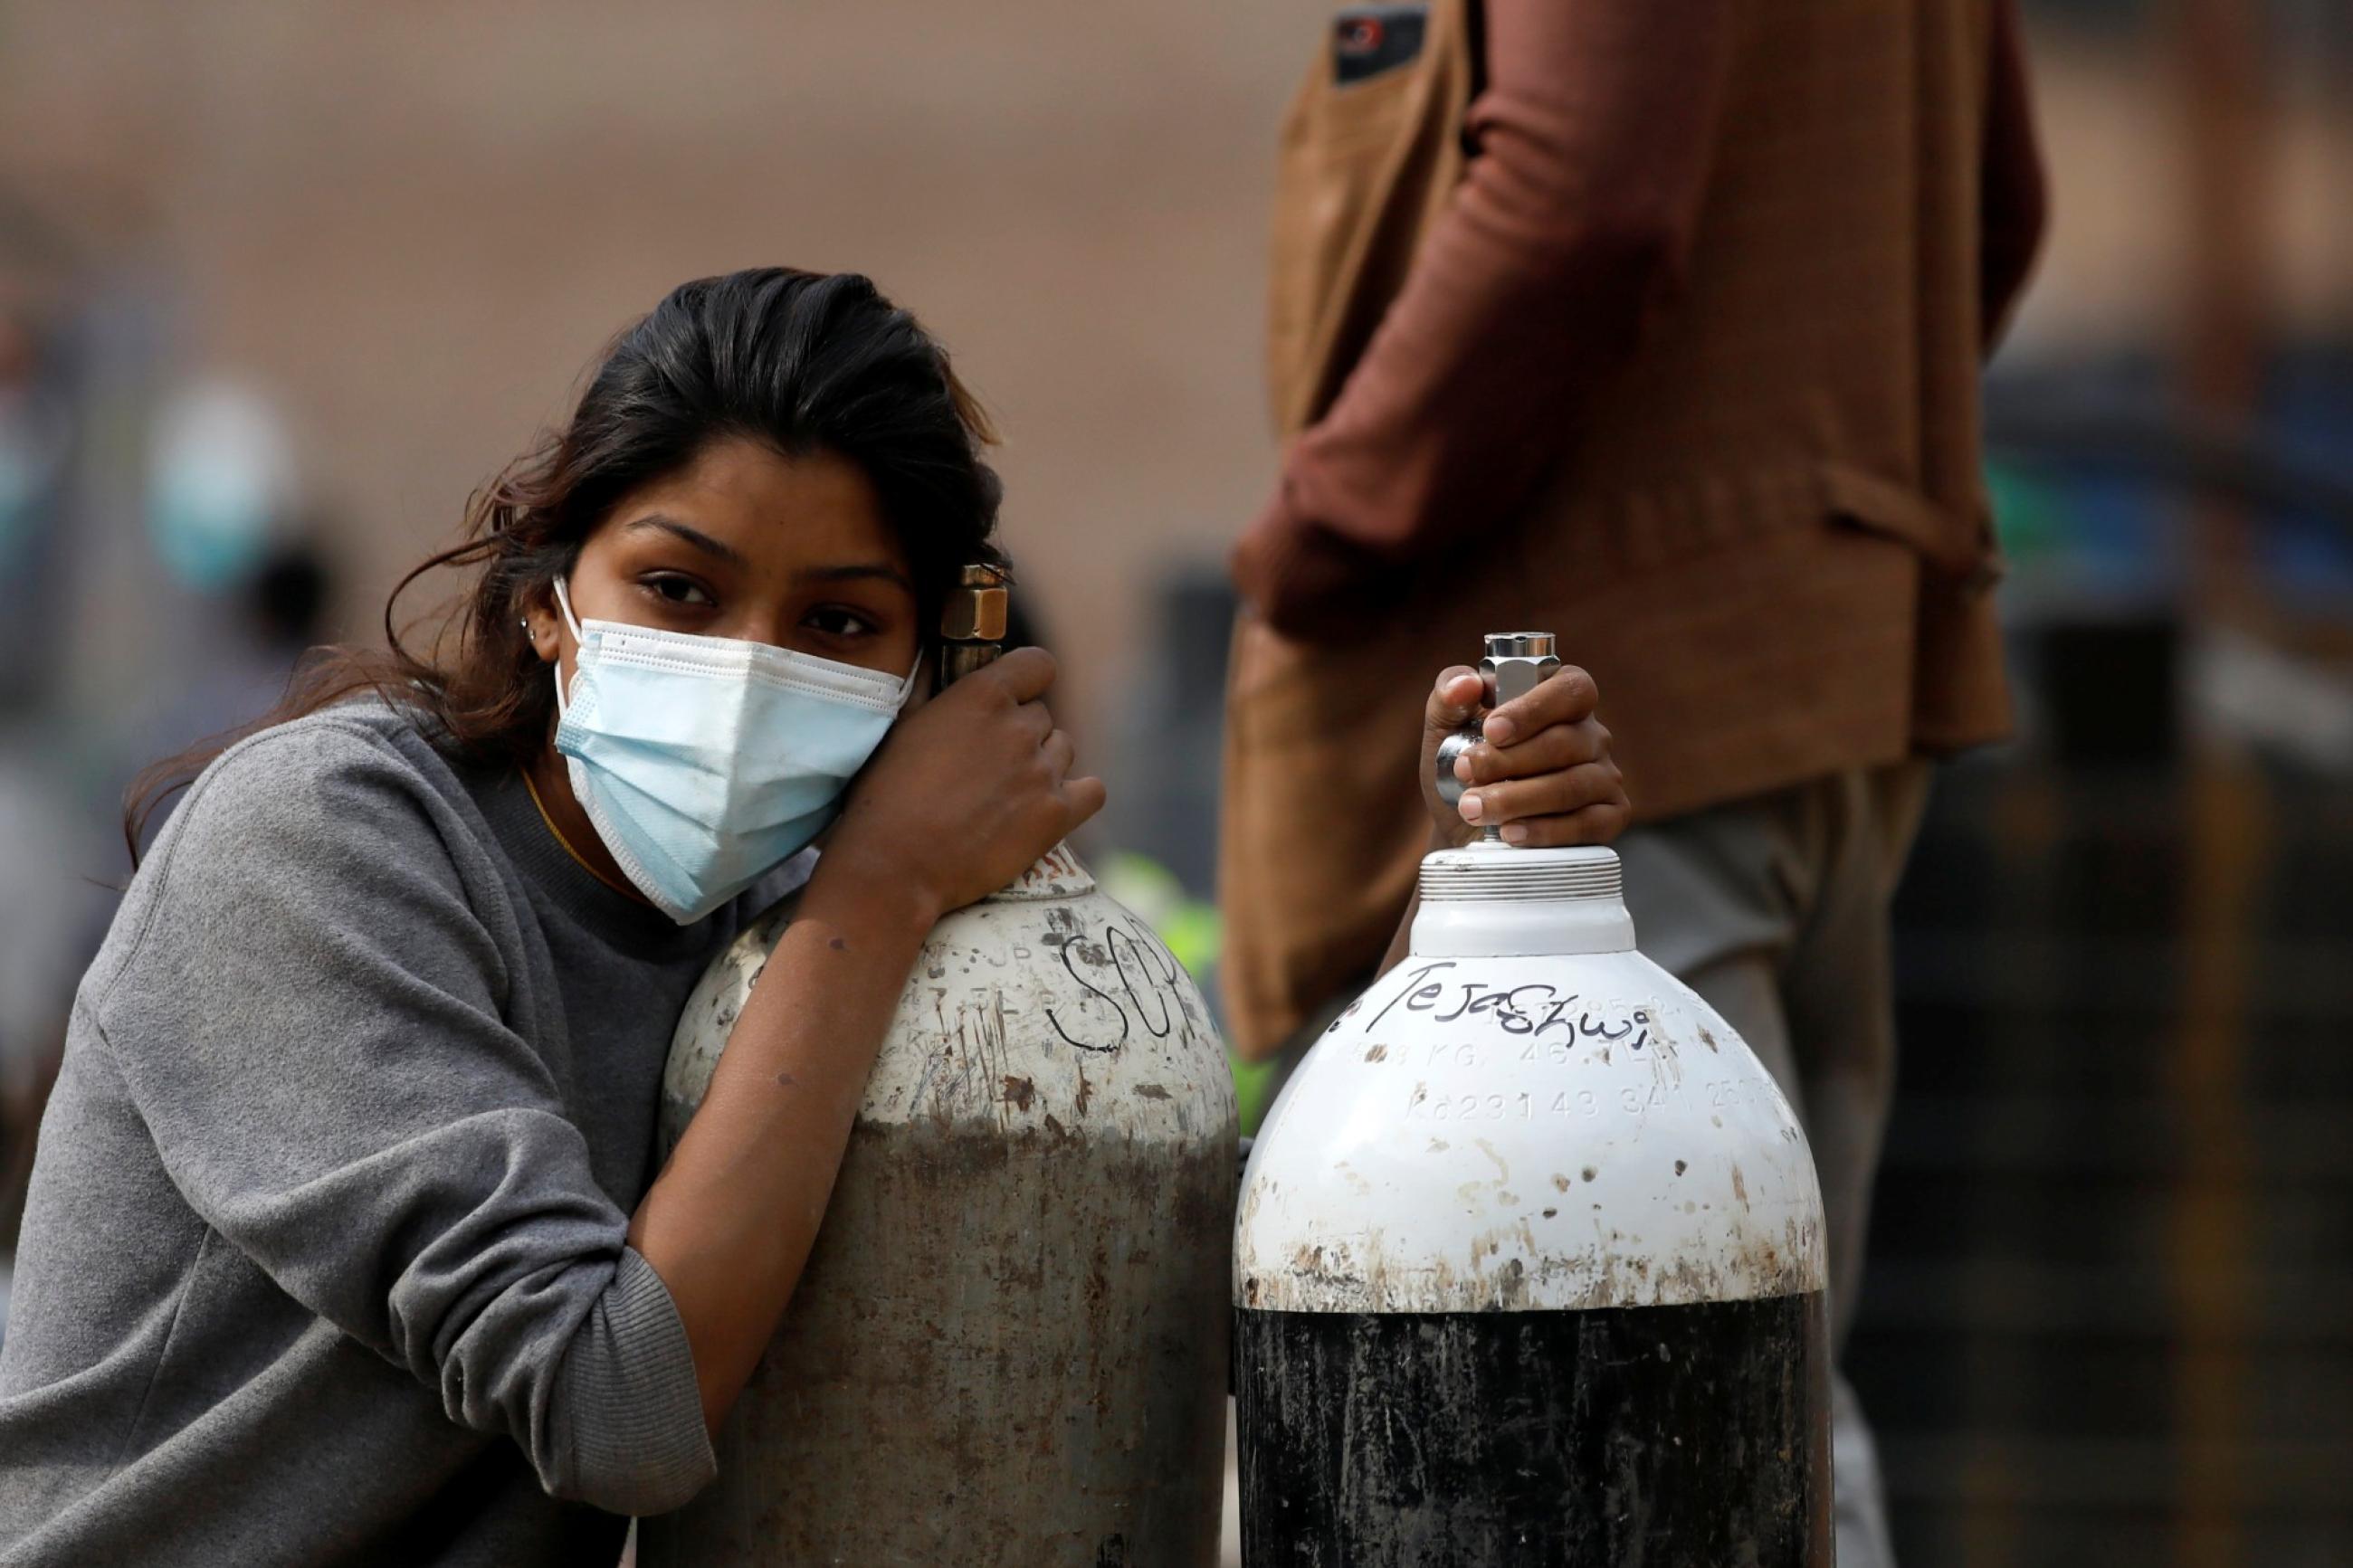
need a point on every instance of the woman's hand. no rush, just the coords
(1540, 771)
(968, 790)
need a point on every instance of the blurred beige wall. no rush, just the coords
(416, 224)
(2115, 268)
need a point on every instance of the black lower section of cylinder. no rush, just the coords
(1692, 1436)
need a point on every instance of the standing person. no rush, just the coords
(1656, 324)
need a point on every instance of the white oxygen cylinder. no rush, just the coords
(1529, 1262)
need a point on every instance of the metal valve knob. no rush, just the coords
(1515, 663)
(972, 622)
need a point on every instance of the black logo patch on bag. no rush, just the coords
(1372, 40)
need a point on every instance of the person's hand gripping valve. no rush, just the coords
(1512, 749)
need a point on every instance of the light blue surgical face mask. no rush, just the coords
(703, 762)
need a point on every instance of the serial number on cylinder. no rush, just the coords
(1630, 1101)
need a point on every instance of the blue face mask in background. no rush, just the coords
(702, 761)
(221, 481)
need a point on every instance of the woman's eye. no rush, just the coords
(679, 590)
(835, 621)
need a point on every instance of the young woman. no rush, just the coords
(344, 1243)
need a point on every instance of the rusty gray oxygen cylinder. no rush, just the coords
(1010, 1342)
(1529, 1264)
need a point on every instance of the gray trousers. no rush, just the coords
(1775, 910)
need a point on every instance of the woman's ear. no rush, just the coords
(540, 623)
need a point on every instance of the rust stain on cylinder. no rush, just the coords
(909, 1371)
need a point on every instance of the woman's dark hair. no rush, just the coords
(801, 361)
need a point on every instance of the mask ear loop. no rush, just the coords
(579, 643)
(564, 603)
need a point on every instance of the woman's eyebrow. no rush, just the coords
(694, 536)
(856, 571)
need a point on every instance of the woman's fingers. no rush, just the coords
(1084, 796)
(1568, 697)
(1547, 794)
(1024, 675)
(1549, 750)
(1037, 719)
(1081, 798)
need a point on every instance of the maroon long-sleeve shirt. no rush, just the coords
(1592, 149)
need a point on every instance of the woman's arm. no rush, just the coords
(966, 794)
(308, 999)
(730, 1222)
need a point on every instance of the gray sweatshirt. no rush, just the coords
(323, 1260)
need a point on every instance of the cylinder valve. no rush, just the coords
(1515, 663)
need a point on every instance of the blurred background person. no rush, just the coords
(35, 446)
(269, 619)
(226, 522)
(39, 926)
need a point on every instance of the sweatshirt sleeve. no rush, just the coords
(1591, 149)
(309, 1020)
